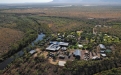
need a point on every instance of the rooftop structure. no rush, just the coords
(59, 43)
(86, 51)
(102, 51)
(95, 57)
(63, 44)
(102, 46)
(63, 48)
(104, 55)
(108, 51)
(53, 47)
(54, 42)
(61, 63)
(77, 53)
(32, 51)
(80, 46)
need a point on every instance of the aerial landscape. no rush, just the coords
(60, 37)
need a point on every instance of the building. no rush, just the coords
(54, 42)
(32, 51)
(63, 48)
(63, 44)
(102, 47)
(77, 53)
(103, 55)
(53, 47)
(95, 57)
(61, 63)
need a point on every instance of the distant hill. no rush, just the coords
(86, 1)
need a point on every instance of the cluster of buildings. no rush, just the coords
(61, 47)
(55, 46)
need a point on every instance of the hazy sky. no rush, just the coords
(58, 1)
(88, 1)
(23, 1)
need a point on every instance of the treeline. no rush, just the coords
(93, 67)
(114, 71)
(90, 67)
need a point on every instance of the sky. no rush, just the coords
(88, 1)
(59, 1)
(24, 1)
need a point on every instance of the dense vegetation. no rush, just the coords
(114, 71)
(113, 29)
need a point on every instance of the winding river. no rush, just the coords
(5, 63)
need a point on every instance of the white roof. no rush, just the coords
(80, 45)
(102, 46)
(61, 63)
(60, 43)
(104, 55)
(86, 51)
(64, 48)
(32, 51)
(94, 57)
(53, 47)
(63, 43)
(102, 51)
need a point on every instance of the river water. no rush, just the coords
(5, 63)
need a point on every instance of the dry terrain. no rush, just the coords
(75, 11)
(8, 37)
